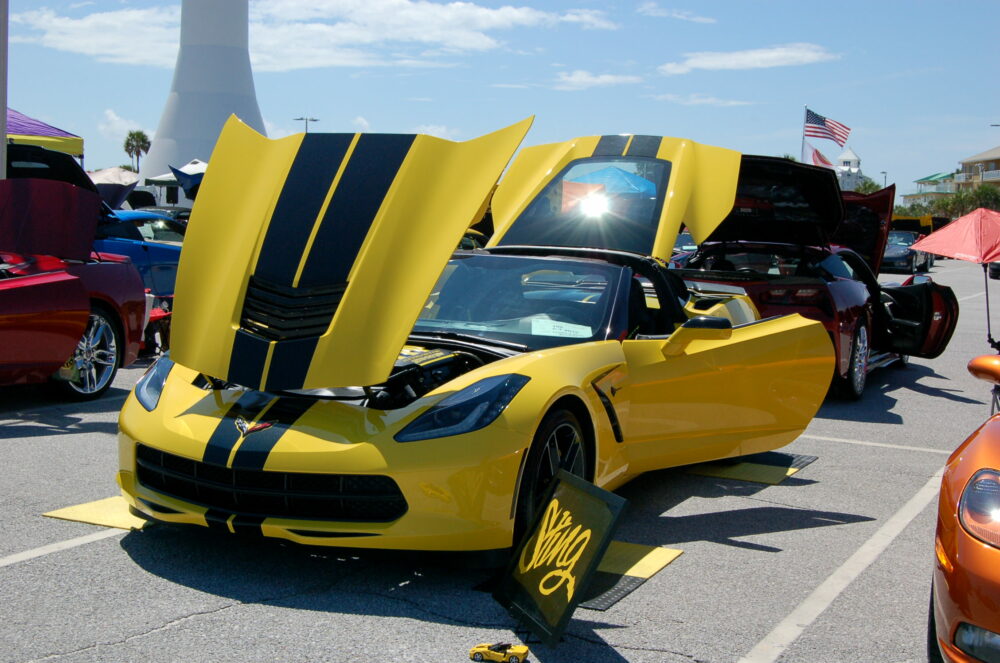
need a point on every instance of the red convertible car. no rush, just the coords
(796, 244)
(67, 315)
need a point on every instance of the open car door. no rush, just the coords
(920, 317)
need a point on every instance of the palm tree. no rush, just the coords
(136, 144)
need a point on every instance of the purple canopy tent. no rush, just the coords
(29, 131)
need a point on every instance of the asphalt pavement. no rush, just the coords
(831, 565)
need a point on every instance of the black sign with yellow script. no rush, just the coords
(551, 567)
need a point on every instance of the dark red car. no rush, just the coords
(67, 315)
(795, 244)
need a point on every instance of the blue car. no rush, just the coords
(900, 256)
(151, 240)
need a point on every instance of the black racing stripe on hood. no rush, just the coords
(610, 146)
(290, 363)
(644, 146)
(246, 362)
(226, 435)
(299, 204)
(366, 180)
(253, 453)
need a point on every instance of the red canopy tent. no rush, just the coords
(974, 237)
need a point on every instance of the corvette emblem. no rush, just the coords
(245, 427)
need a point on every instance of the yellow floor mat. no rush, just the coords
(771, 467)
(624, 567)
(109, 512)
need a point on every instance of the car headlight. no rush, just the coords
(979, 508)
(977, 642)
(149, 386)
(472, 408)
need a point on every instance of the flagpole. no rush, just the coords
(805, 111)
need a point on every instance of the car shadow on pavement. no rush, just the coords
(885, 387)
(430, 587)
(652, 495)
(31, 412)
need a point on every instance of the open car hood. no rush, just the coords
(779, 200)
(309, 258)
(865, 229)
(47, 217)
(621, 192)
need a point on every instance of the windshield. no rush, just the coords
(605, 203)
(900, 238)
(538, 303)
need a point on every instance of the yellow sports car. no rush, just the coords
(337, 377)
(504, 652)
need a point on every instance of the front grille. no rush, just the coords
(341, 497)
(279, 313)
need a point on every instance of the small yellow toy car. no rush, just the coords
(504, 652)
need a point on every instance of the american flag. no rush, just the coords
(822, 127)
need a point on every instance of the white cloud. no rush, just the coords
(653, 9)
(761, 58)
(589, 19)
(582, 80)
(116, 127)
(361, 124)
(127, 36)
(437, 130)
(303, 34)
(698, 99)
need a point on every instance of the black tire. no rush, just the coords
(933, 651)
(477, 656)
(852, 385)
(912, 268)
(514, 658)
(558, 442)
(95, 361)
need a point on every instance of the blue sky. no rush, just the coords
(917, 82)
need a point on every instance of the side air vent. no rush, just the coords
(279, 313)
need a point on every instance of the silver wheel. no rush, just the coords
(477, 657)
(857, 372)
(89, 372)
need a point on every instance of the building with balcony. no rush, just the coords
(979, 169)
(930, 188)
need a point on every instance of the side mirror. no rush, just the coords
(986, 367)
(702, 328)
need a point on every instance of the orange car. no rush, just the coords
(964, 616)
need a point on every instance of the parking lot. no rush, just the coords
(831, 565)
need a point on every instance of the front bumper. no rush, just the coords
(966, 589)
(316, 488)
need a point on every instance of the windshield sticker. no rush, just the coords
(547, 327)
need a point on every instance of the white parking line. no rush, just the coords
(975, 296)
(57, 547)
(787, 632)
(903, 447)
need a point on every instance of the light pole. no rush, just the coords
(885, 178)
(307, 120)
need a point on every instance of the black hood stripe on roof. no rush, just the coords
(644, 146)
(610, 146)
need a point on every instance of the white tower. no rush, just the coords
(212, 80)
